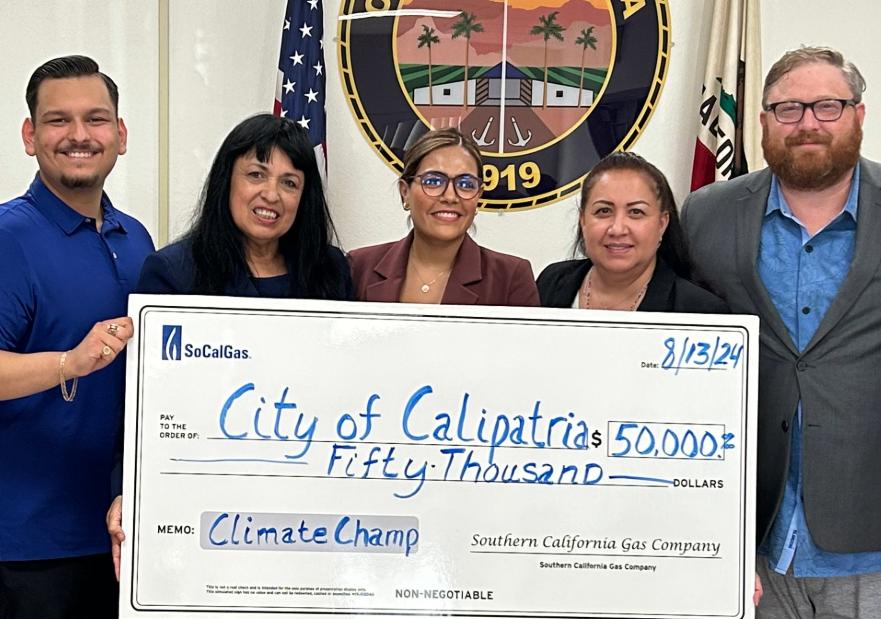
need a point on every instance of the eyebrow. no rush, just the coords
(63, 112)
(633, 203)
(447, 175)
(265, 166)
(819, 98)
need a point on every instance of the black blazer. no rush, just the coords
(171, 270)
(667, 292)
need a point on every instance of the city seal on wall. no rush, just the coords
(545, 87)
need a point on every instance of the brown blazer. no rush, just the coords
(480, 276)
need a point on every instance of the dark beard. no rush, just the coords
(813, 171)
(79, 182)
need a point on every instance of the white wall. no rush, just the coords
(121, 36)
(223, 65)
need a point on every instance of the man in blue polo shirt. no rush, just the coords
(69, 260)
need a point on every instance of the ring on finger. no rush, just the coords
(113, 329)
(106, 351)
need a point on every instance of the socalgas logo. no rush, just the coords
(174, 348)
(171, 342)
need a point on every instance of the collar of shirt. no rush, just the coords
(776, 202)
(56, 210)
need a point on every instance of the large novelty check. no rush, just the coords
(320, 458)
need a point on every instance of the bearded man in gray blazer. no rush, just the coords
(799, 244)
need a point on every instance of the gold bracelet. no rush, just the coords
(67, 395)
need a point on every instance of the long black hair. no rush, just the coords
(218, 244)
(673, 249)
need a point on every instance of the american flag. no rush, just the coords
(299, 90)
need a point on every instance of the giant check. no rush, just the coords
(320, 458)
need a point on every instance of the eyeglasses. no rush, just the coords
(434, 184)
(825, 110)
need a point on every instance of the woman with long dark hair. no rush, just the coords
(262, 227)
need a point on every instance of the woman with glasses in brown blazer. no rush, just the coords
(438, 262)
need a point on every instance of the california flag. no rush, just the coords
(729, 139)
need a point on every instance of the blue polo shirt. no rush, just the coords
(802, 274)
(58, 277)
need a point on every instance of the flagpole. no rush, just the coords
(164, 150)
(504, 77)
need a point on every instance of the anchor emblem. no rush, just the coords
(521, 141)
(481, 141)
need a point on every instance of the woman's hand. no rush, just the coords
(758, 592)
(114, 529)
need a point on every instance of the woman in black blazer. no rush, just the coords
(629, 229)
(262, 230)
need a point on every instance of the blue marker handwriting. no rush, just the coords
(495, 430)
(464, 443)
(239, 419)
(335, 533)
(693, 353)
(669, 440)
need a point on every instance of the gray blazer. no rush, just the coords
(837, 376)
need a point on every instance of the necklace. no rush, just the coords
(426, 286)
(272, 268)
(584, 293)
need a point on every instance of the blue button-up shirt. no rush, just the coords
(802, 274)
(58, 277)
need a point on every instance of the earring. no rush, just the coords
(405, 206)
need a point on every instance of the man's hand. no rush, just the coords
(24, 374)
(114, 529)
(99, 348)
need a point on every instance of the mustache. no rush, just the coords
(79, 145)
(808, 137)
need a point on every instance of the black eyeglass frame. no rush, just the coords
(441, 189)
(772, 107)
